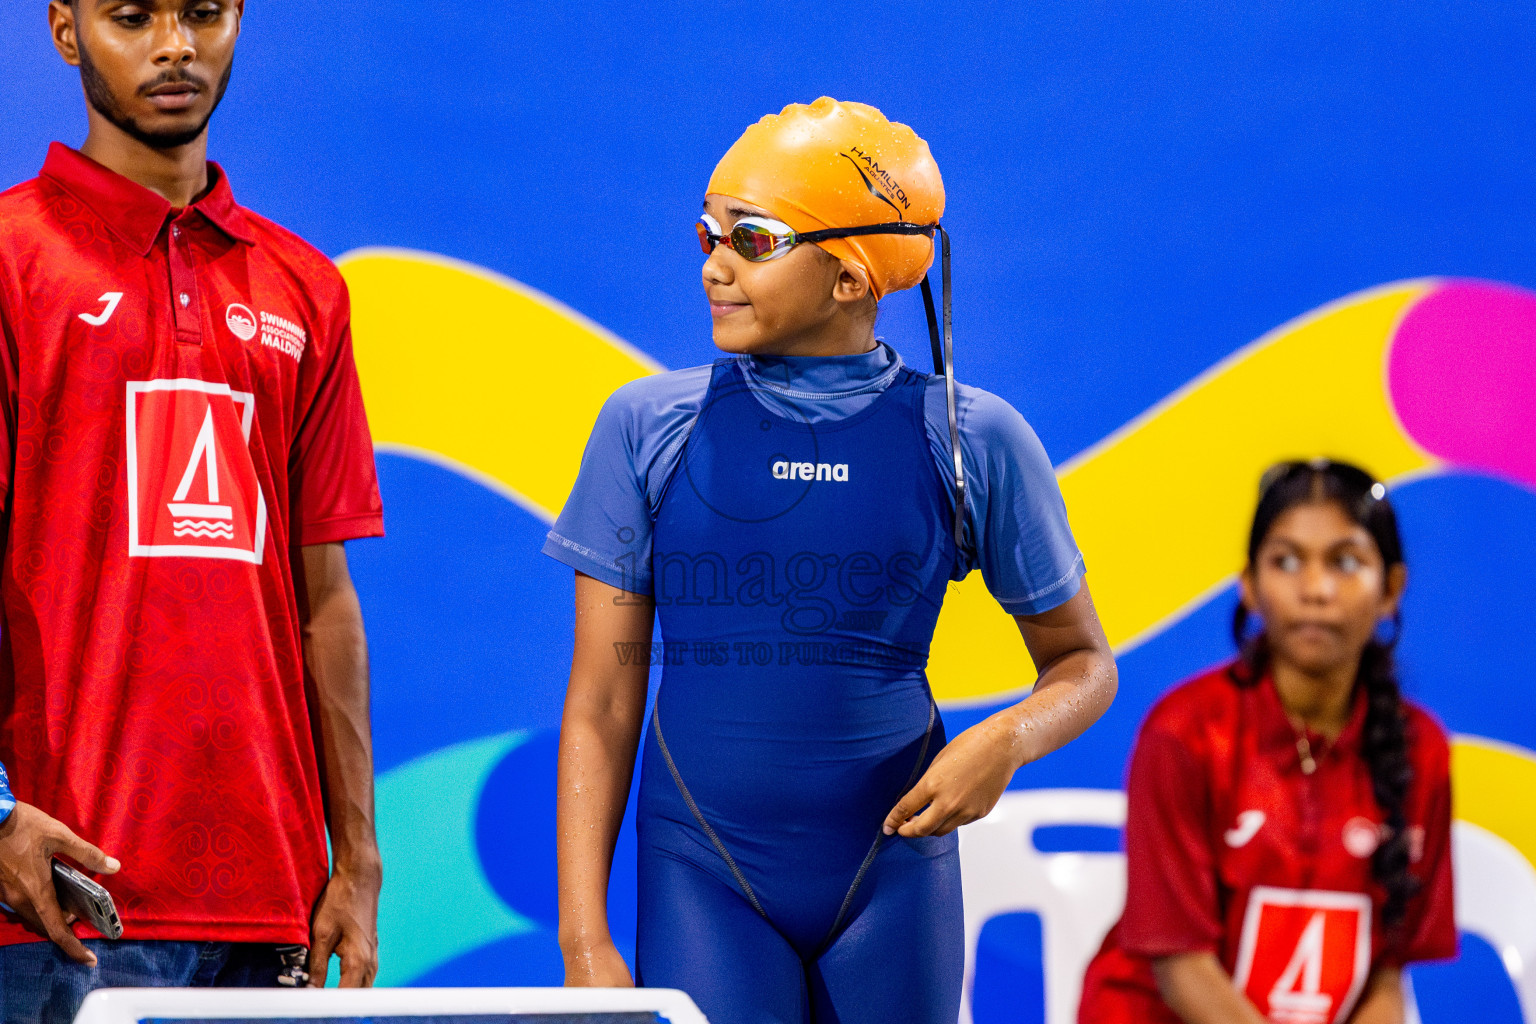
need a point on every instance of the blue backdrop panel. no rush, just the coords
(1134, 192)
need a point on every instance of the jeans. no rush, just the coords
(40, 985)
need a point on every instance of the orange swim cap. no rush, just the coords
(841, 165)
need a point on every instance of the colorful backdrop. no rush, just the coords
(1187, 244)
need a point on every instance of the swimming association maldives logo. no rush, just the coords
(284, 335)
(277, 332)
(240, 321)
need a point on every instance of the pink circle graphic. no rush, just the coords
(1462, 376)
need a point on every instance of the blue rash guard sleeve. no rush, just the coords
(7, 801)
(604, 528)
(1016, 522)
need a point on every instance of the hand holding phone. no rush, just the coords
(29, 839)
(87, 900)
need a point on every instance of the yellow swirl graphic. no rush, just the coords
(466, 368)
(462, 366)
(1160, 507)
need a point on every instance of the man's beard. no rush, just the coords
(99, 95)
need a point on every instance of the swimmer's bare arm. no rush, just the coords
(599, 734)
(1076, 683)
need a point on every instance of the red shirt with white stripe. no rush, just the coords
(179, 413)
(1233, 848)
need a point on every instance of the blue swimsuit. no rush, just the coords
(798, 565)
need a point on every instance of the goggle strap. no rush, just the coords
(933, 328)
(895, 228)
(944, 363)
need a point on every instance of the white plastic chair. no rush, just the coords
(1496, 900)
(1078, 896)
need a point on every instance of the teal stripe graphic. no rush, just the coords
(437, 903)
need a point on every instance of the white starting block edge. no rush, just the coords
(131, 1005)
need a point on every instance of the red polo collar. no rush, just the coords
(132, 212)
(1277, 732)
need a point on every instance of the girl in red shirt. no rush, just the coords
(1288, 829)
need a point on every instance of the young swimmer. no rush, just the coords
(1289, 831)
(788, 512)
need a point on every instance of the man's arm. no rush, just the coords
(1076, 684)
(336, 654)
(29, 837)
(28, 841)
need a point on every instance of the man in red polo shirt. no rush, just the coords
(183, 450)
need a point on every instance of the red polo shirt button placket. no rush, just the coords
(184, 295)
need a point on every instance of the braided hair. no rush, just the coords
(1383, 741)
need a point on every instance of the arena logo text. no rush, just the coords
(811, 471)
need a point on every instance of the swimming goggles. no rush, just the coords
(760, 239)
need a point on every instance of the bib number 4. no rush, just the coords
(1304, 955)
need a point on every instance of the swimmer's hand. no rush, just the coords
(963, 783)
(598, 965)
(1077, 680)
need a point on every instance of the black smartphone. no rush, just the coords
(295, 966)
(86, 900)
